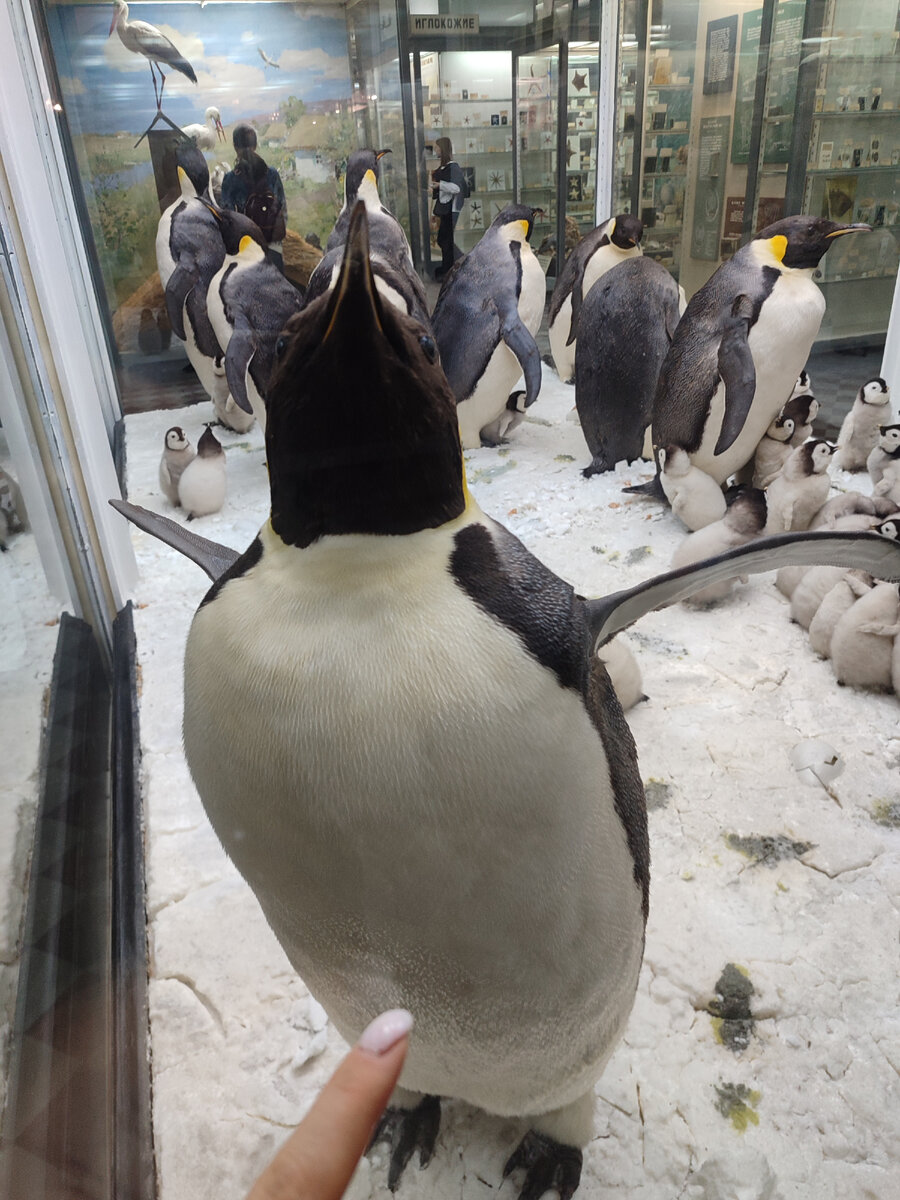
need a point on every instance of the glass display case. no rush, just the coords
(537, 87)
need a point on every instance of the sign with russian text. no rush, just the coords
(441, 25)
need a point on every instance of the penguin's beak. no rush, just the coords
(379, 154)
(355, 300)
(858, 228)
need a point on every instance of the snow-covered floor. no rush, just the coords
(809, 1109)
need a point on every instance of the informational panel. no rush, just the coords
(709, 187)
(718, 67)
(746, 85)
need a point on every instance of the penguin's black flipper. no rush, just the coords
(870, 552)
(737, 371)
(578, 291)
(214, 558)
(524, 347)
(181, 282)
(238, 357)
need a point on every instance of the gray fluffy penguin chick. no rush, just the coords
(796, 495)
(803, 386)
(744, 520)
(886, 451)
(772, 451)
(889, 486)
(859, 431)
(802, 409)
(811, 591)
(177, 453)
(834, 604)
(850, 504)
(787, 578)
(695, 497)
(889, 528)
(623, 670)
(13, 517)
(862, 642)
(201, 489)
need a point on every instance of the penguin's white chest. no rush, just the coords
(164, 260)
(779, 342)
(489, 397)
(423, 812)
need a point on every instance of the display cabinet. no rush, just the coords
(581, 134)
(537, 88)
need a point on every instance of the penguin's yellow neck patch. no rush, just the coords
(369, 177)
(246, 243)
(778, 245)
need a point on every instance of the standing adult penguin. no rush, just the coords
(359, 164)
(380, 609)
(612, 242)
(189, 252)
(741, 344)
(627, 322)
(395, 276)
(249, 302)
(485, 320)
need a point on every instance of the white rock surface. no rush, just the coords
(733, 690)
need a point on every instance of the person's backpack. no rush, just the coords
(263, 208)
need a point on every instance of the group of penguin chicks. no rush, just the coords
(852, 619)
(193, 479)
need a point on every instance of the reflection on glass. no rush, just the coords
(537, 88)
(580, 149)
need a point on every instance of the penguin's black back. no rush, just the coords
(626, 326)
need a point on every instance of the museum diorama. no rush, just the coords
(450, 543)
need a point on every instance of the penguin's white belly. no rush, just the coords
(208, 373)
(491, 392)
(201, 489)
(164, 261)
(558, 332)
(779, 342)
(215, 307)
(424, 814)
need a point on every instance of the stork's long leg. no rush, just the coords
(162, 85)
(156, 94)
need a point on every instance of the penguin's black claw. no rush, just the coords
(404, 1130)
(548, 1164)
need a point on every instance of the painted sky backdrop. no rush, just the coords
(109, 88)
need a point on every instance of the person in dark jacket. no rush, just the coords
(449, 194)
(252, 176)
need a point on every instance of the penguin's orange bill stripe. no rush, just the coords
(344, 284)
(839, 232)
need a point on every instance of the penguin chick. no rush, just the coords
(511, 418)
(886, 451)
(201, 489)
(797, 494)
(834, 604)
(861, 644)
(802, 409)
(12, 507)
(850, 504)
(859, 431)
(744, 520)
(149, 336)
(623, 671)
(889, 486)
(177, 453)
(889, 528)
(787, 578)
(811, 591)
(695, 497)
(772, 451)
(802, 387)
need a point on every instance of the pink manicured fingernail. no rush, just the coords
(385, 1031)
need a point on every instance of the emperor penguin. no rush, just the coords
(802, 385)
(802, 409)
(177, 453)
(395, 276)
(627, 322)
(696, 499)
(359, 164)
(772, 452)
(613, 241)
(799, 491)
(201, 488)
(380, 609)
(249, 302)
(862, 642)
(859, 431)
(741, 344)
(189, 251)
(885, 453)
(485, 321)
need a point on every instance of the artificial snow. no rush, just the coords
(810, 1108)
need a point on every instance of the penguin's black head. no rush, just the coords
(359, 162)
(800, 409)
(802, 241)
(747, 509)
(235, 227)
(361, 428)
(627, 231)
(516, 212)
(190, 160)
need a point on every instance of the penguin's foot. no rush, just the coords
(548, 1164)
(405, 1129)
(597, 467)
